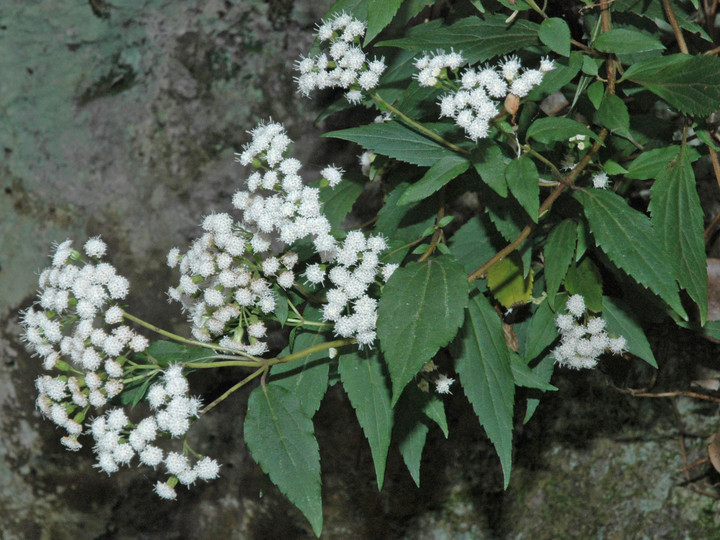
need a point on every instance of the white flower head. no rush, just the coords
(601, 180)
(576, 305)
(443, 383)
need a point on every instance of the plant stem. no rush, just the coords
(305, 322)
(411, 244)
(311, 350)
(419, 127)
(137, 378)
(527, 148)
(180, 339)
(438, 231)
(535, 7)
(226, 363)
(716, 170)
(295, 310)
(239, 385)
(676, 28)
(544, 207)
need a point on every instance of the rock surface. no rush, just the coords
(121, 118)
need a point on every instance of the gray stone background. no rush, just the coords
(121, 118)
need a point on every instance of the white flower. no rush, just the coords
(601, 180)
(332, 174)
(207, 469)
(617, 345)
(576, 305)
(165, 491)
(95, 247)
(442, 384)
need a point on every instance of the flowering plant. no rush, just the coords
(503, 105)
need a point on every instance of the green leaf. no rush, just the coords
(357, 7)
(281, 439)
(306, 378)
(555, 33)
(547, 130)
(444, 170)
(595, 93)
(625, 41)
(478, 39)
(590, 66)
(691, 84)
(338, 201)
(559, 250)
(613, 114)
(621, 322)
(584, 239)
(489, 162)
(412, 434)
(507, 283)
(522, 178)
(626, 236)
(281, 305)
(541, 332)
(445, 221)
(434, 409)
(483, 363)
(704, 136)
(654, 11)
(557, 78)
(526, 377)
(544, 371)
(134, 392)
(613, 168)
(415, 298)
(404, 222)
(363, 377)
(652, 163)
(506, 213)
(677, 218)
(472, 243)
(380, 14)
(585, 280)
(396, 141)
(412, 426)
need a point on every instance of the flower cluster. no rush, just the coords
(356, 268)
(432, 65)
(477, 101)
(231, 275)
(73, 297)
(118, 440)
(582, 344)
(344, 65)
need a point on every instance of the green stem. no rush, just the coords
(134, 366)
(537, 9)
(546, 161)
(420, 127)
(438, 231)
(133, 379)
(305, 322)
(239, 385)
(311, 350)
(307, 294)
(180, 339)
(411, 244)
(226, 363)
(295, 310)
